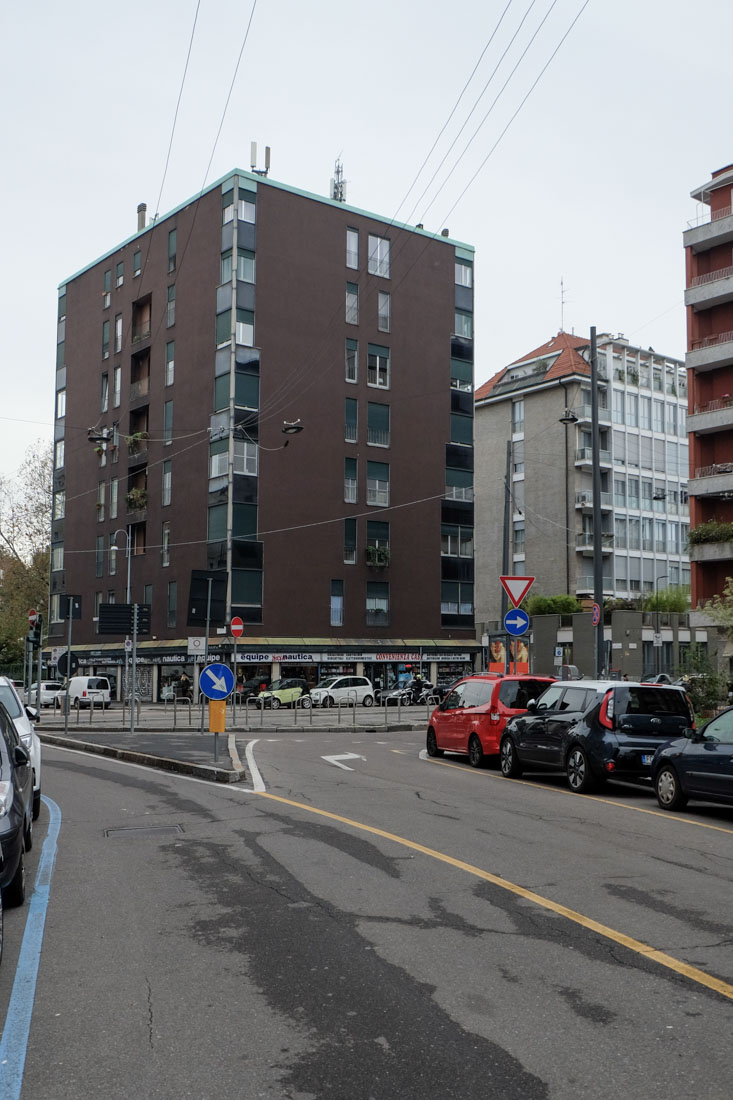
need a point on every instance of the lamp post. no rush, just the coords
(657, 647)
(113, 550)
(568, 418)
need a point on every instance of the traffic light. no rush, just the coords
(34, 635)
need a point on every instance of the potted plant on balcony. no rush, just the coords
(136, 499)
(378, 556)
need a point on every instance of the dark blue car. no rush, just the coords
(699, 765)
(16, 810)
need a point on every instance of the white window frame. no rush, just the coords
(384, 312)
(380, 371)
(378, 256)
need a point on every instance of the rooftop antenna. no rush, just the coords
(338, 183)
(563, 299)
(253, 159)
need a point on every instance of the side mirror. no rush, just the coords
(696, 736)
(20, 756)
(441, 705)
(531, 704)
(32, 713)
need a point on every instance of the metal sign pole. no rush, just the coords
(69, 612)
(40, 662)
(134, 668)
(234, 693)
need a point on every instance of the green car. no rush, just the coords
(284, 693)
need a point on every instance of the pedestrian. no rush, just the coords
(626, 676)
(185, 686)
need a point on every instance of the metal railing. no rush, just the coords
(711, 277)
(712, 341)
(724, 402)
(714, 470)
(708, 217)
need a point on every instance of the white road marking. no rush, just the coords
(258, 784)
(345, 756)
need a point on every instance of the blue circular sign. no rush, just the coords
(216, 681)
(516, 622)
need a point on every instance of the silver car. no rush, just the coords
(22, 720)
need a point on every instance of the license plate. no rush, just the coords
(646, 757)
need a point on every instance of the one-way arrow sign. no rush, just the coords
(516, 622)
(345, 756)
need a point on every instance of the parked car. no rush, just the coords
(252, 687)
(657, 678)
(49, 691)
(86, 689)
(283, 693)
(698, 765)
(595, 730)
(23, 718)
(474, 713)
(16, 810)
(344, 691)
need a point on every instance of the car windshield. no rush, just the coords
(9, 698)
(327, 682)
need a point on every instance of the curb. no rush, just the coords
(183, 767)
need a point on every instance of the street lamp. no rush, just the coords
(658, 647)
(113, 550)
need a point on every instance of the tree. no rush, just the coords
(720, 608)
(25, 523)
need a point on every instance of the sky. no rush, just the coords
(584, 178)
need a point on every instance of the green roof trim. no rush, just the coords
(464, 253)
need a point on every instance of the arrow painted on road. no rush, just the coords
(220, 682)
(346, 756)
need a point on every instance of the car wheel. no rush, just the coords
(580, 777)
(306, 702)
(508, 762)
(28, 834)
(432, 744)
(329, 701)
(36, 804)
(275, 702)
(476, 756)
(670, 795)
(368, 701)
(15, 890)
(1, 927)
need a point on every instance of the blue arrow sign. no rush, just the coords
(516, 622)
(216, 681)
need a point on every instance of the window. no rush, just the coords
(217, 527)
(165, 491)
(245, 266)
(168, 423)
(245, 328)
(518, 457)
(378, 424)
(378, 257)
(105, 339)
(456, 599)
(99, 556)
(518, 540)
(106, 288)
(632, 410)
(116, 386)
(461, 375)
(378, 534)
(60, 354)
(671, 419)
(246, 207)
(619, 541)
(351, 418)
(378, 366)
(518, 415)
(112, 557)
(115, 441)
(245, 457)
(463, 324)
(165, 544)
(171, 605)
(660, 536)
(352, 248)
(223, 327)
(56, 607)
(61, 311)
(619, 492)
(170, 353)
(120, 274)
(170, 315)
(137, 260)
(458, 484)
(456, 541)
(464, 273)
(377, 603)
(58, 455)
(101, 495)
(118, 333)
(114, 488)
(618, 406)
(384, 320)
(378, 483)
(633, 492)
(172, 250)
(57, 557)
(350, 542)
(350, 490)
(337, 603)
(59, 504)
(352, 304)
(61, 404)
(461, 429)
(645, 412)
(352, 360)
(646, 494)
(104, 402)
(658, 422)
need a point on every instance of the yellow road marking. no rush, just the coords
(592, 797)
(687, 971)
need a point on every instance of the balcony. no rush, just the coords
(712, 481)
(711, 289)
(584, 543)
(584, 500)
(377, 556)
(714, 416)
(584, 413)
(136, 500)
(711, 352)
(141, 333)
(584, 457)
(459, 492)
(709, 234)
(711, 551)
(584, 583)
(139, 389)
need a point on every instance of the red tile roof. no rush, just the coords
(568, 361)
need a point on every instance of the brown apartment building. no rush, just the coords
(186, 350)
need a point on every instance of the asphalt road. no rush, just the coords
(405, 929)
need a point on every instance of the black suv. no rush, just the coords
(595, 730)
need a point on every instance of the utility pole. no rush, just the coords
(505, 548)
(600, 647)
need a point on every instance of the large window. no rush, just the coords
(352, 304)
(101, 497)
(99, 556)
(106, 289)
(172, 238)
(118, 333)
(350, 542)
(518, 415)
(105, 339)
(464, 273)
(350, 490)
(352, 360)
(116, 387)
(171, 605)
(167, 482)
(170, 355)
(61, 404)
(378, 483)
(120, 273)
(378, 424)
(245, 328)
(384, 312)
(378, 366)
(378, 259)
(377, 603)
(456, 598)
(104, 400)
(57, 557)
(170, 316)
(168, 422)
(245, 457)
(456, 541)
(352, 248)
(463, 324)
(247, 207)
(58, 455)
(114, 492)
(165, 544)
(351, 420)
(59, 504)
(337, 603)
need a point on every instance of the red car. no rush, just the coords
(472, 717)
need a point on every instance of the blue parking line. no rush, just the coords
(14, 1043)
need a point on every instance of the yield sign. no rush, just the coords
(516, 588)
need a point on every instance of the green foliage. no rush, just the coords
(720, 608)
(711, 531)
(676, 598)
(552, 605)
(706, 689)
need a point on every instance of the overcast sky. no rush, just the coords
(589, 184)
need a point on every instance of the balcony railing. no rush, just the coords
(712, 341)
(724, 212)
(716, 468)
(586, 498)
(724, 402)
(350, 433)
(585, 454)
(139, 389)
(585, 539)
(459, 492)
(712, 276)
(379, 437)
(142, 332)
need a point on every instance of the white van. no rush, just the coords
(87, 689)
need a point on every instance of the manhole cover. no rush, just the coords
(146, 830)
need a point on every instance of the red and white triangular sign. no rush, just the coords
(517, 588)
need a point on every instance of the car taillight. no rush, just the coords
(84, 692)
(605, 715)
(609, 766)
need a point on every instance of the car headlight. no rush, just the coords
(6, 797)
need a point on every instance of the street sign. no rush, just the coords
(657, 643)
(236, 627)
(216, 681)
(516, 622)
(516, 588)
(596, 614)
(32, 617)
(66, 666)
